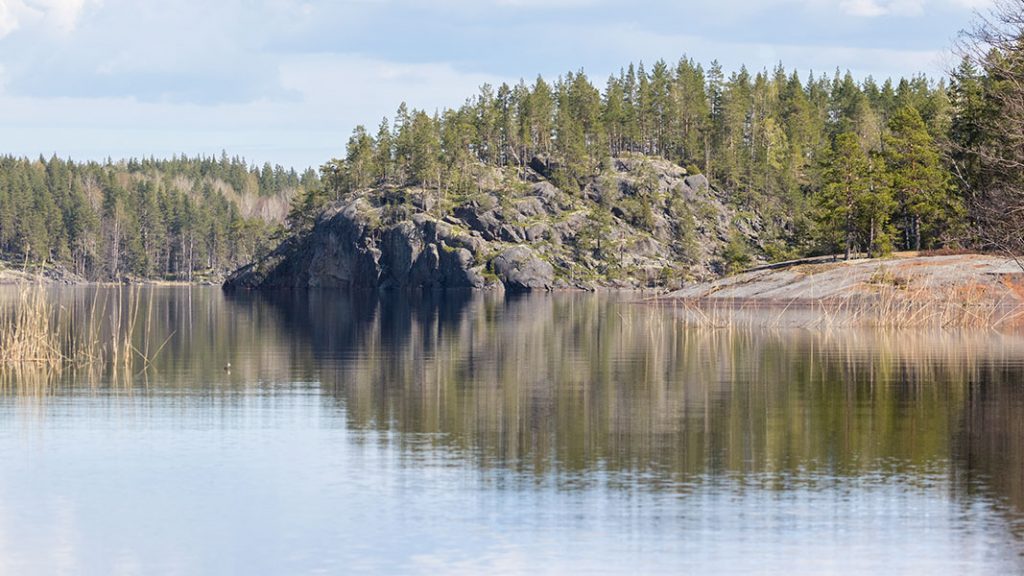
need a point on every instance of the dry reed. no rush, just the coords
(950, 307)
(40, 333)
(28, 336)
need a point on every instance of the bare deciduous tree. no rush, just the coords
(988, 146)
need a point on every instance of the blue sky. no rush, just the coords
(286, 80)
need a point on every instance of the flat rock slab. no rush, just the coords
(995, 276)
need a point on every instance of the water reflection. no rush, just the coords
(988, 445)
(575, 384)
(582, 392)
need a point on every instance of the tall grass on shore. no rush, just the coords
(950, 307)
(958, 306)
(37, 331)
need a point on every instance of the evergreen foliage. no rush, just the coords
(145, 218)
(856, 157)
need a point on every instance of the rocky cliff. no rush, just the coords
(638, 222)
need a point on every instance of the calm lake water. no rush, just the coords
(480, 434)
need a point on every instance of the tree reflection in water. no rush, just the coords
(578, 389)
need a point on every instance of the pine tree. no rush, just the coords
(845, 186)
(359, 159)
(424, 151)
(383, 154)
(714, 135)
(542, 109)
(969, 132)
(875, 208)
(920, 184)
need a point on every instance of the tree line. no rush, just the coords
(849, 165)
(144, 218)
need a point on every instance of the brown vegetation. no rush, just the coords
(894, 304)
(36, 333)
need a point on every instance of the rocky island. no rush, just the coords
(640, 221)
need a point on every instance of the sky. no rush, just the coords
(286, 81)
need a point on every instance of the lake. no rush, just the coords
(479, 433)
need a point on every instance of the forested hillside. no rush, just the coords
(828, 162)
(168, 219)
(667, 174)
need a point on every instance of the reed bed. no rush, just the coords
(951, 307)
(958, 306)
(101, 334)
(27, 335)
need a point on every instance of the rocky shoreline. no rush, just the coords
(641, 222)
(12, 275)
(59, 276)
(968, 278)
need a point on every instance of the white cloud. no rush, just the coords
(364, 89)
(57, 15)
(626, 43)
(544, 3)
(8, 19)
(482, 6)
(876, 8)
(862, 8)
(63, 15)
(973, 4)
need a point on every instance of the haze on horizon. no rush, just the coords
(285, 81)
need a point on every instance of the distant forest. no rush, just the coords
(178, 219)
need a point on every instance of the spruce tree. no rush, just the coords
(920, 184)
(845, 184)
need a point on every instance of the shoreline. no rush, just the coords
(918, 276)
(902, 291)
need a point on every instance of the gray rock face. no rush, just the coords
(697, 182)
(537, 232)
(336, 254)
(639, 221)
(530, 207)
(443, 267)
(343, 251)
(520, 269)
(487, 223)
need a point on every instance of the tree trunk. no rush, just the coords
(707, 156)
(871, 240)
(849, 222)
(849, 235)
(116, 247)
